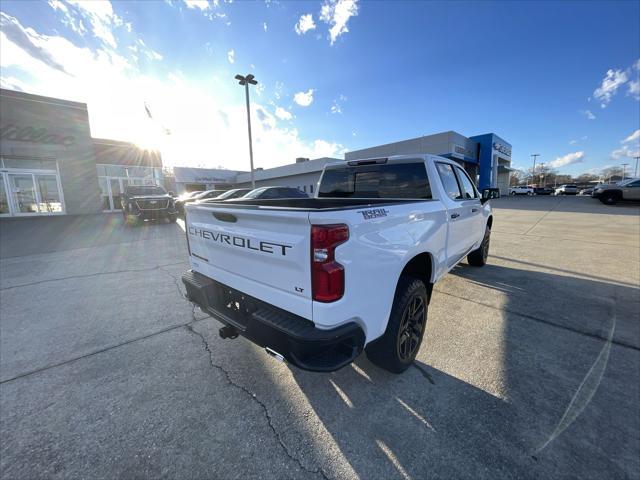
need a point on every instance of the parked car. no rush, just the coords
(231, 194)
(521, 190)
(265, 193)
(610, 194)
(318, 280)
(567, 190)
(184, 198)
(206, 195)
(543, 191)
(586, 191)
(147, 202)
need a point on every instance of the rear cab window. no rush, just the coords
(393, 180)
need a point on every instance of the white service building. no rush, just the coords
(487, 159)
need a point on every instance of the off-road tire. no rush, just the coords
(478, 258)
(609, 198)
(391, 351)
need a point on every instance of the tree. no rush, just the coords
(517, 177)
(586, 178)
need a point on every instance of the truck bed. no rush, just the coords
(311, 204)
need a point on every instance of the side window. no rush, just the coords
(270, 193)
(449, 181)
(634, 184)
(467, 186)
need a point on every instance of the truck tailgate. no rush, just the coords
(261, 252)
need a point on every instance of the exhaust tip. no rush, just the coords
(274, 354)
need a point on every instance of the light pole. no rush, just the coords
(246, 81)
(533, 172)
(624, 167)
(636, 170)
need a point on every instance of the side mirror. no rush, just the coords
(489, 193)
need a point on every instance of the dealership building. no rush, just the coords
(51, 165)
(487, 159)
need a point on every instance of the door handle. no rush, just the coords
(455, 215)
(474, 210)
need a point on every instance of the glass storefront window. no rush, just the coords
(25, 189)
(24, 193)
(49, 194)
(4, 202)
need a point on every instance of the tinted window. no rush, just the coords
(405, 180)
(449, 181)
(467, 186)
(255, 193)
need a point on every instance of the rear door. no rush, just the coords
(631, 191)
(262, 252)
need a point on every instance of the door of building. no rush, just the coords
(112, 188)
(27, 193)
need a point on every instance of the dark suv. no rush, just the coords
(148, 202)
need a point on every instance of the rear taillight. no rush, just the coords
(327, 275)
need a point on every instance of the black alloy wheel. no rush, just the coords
(411, 327)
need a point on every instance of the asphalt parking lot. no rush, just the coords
(529, 368)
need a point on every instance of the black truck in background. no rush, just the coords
(147, 202)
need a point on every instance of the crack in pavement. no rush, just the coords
(194, 319)
(183, 295)
(254, 397)
(89, 275)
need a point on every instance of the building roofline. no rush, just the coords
(291, 169)
(5, 92)
(447, 132)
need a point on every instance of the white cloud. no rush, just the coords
(613, 80)
(201, 119)
(265, 26)
(231, 56)
(337, 106)
(588, 113)
(283, 114)
(149, 52)
(634, 136)
(13, 83)
(305, 23)
(337, 13)
(100, 15)
(199, 4)
(581, 139)
(568, 159)
(634, 89)
(626, 151)
(277, 90)
(304, 99)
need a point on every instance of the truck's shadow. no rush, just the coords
(526, 360)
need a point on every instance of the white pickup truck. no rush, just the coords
(318, 280)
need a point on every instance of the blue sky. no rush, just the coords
(556, 78)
